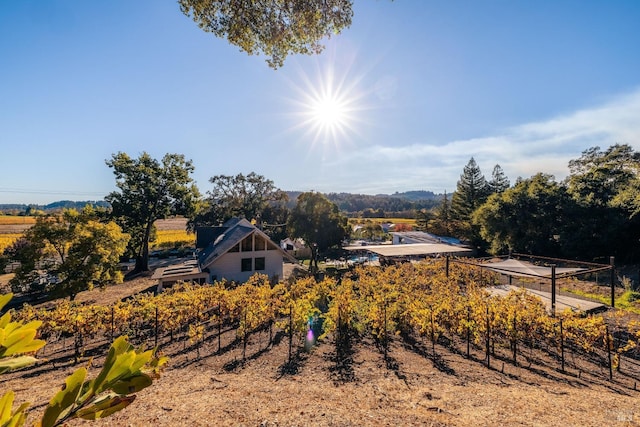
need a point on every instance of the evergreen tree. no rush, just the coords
(440, 222)
(499, 181)
(471, 192)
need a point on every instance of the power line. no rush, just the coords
(56, 192)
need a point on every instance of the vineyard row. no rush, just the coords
(404, 299)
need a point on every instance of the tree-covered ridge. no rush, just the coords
(381, 205)
(24, 209)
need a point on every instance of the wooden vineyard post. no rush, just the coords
(290, 331)
(446, 264)
(515, 341)
(244, 336)
(608, 342)
(219, 333)
(488, 340)
(553, 290)
(468, 331)
(77, 344)
(433, 335)
(385, 332)
(561, 347)
(219, 325)
(156, 331)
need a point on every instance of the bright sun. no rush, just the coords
(329, 112)
(328, 107)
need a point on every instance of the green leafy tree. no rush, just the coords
(274, 28)
(249, 196)
(318, 222)
(629, 198)
(602, 184)
(72, 252)
(274, 221)
(150, 190)
(26, 254)
(528, 218)
(628, 201)
(370, 230)
(598, 176)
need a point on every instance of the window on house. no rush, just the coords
(245, 264)
(259, 243)
(259, 264)
(247, 244)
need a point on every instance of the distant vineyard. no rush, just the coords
(8, 239)
(164, 238)
(11, 220)
(173, 238)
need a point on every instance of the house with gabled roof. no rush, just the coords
(234, 251)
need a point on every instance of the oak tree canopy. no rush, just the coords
(274, 28)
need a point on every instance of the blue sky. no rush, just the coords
(423, 86)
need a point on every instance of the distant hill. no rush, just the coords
(396, 205)
(417, 195)
(52, 207)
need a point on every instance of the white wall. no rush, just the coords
(228, 266)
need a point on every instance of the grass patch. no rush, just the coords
(627, 301)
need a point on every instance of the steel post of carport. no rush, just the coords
(553, 290)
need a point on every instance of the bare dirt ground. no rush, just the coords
(207, 386)
(14, 228)
(171, 224)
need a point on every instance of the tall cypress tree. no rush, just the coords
(499, 181)
(472, 191)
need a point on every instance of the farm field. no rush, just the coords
(12, 227)
(170, 231)
(17, 220)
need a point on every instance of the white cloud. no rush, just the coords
(524, 150)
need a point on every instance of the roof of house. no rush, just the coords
(186, 269)
(233, 231)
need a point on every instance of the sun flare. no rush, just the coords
(328, 107)
(328, 111)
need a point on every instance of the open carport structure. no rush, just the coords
(548, 269)
(412, 250)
